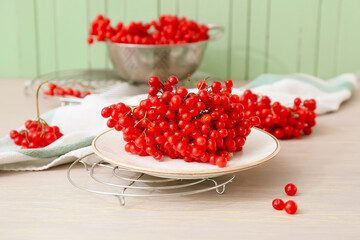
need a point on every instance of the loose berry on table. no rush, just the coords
(290, 189)
(278, 204)
(290, 207)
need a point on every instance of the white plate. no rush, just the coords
(259, 148)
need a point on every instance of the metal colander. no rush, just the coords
(137, 62)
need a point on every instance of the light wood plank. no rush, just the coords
(257, 45)
(137, 14)
(189, 9)
(46, 35)
(215, 60)
(169, 6)
(308, 42)
(239, 41)
(9, 53)
(71, 32)
(282, 49)
(324, 166)
(116, 11)
(328, 41)
(348, 55)
(97, 51)
(28, 60)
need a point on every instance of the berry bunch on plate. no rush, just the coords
(281, 121)
(167, 30)
(203, 126)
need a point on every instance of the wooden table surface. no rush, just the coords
(325, 167)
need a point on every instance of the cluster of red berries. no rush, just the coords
(59, 91)
(290, 206)
(204, 127)
(38, 134)
(167, 30)
(283, 122)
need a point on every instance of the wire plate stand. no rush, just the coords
(107, 179)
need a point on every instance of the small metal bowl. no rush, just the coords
(137, 62)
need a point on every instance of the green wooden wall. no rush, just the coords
(320, 37)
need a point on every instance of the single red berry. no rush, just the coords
(60, 91)
(106, 112)
(154, 81)
(28, 124)
(216, 87)
(278, 204)
(18, 140)
(290, 189)
(69, 92)
(182, 92)
(279, 133)
(77, 94)
(52, 86)
(201, 85)
(157, 155)
(291, 207)
(90, 40)
(221, 162)
(255, 121)
(111, 123)
(307, 131)
(13, 134)
(206, 118)
(200, 141)
(229, 83)
(153, 91)
(49, 93)
(297, 102)
(173, 80)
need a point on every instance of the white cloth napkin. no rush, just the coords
(81, 123)
(328, 94)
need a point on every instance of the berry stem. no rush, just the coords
(188, 81)
(37, 100)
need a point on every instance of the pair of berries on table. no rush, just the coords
(281, 121)
(290, 206)
(206, 126)
(55, 90)
(37, 133)
(167, 30)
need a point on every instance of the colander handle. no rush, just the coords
(217, 30)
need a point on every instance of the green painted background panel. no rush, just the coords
(313, 36)
(308, 42)
(9, 54)
(283, 39)
(97, 51)
(257, 44)
(46, 35)
(168, 6)
(189, 9)
(348, 58)
(136, 13)
(215, 59)
(71, 32)
(239, 29)
(329, 37)
(28, 65)
(116, 11)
